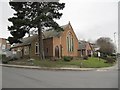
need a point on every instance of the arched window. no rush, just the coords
(70, 42)
(57, 51)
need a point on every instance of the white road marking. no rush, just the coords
(101, 70)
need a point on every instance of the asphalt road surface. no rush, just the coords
(32, 78)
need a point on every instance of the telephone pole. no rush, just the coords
(115, 45)
(114, 38)
(115, 42)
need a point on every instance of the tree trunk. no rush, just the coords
(40, 41)
(29, 46)
(29, 51)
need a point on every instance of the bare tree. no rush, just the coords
(106, 45)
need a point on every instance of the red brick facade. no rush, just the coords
(64, 44)
(4, 44)
(85, 49)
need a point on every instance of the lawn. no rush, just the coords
(95, 63)
(92, 62)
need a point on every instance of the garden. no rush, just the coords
(89, 62)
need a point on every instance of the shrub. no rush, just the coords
(13, 58)
(95, 54)
(110, 60)
(114, 56)
(89, 55)
(103, 55)
(4, 56)
(67, 58)
(4, 59)
(85, 57)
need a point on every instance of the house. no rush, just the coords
(4, 44)
(95, 47)
(56, 44)
(85, 49)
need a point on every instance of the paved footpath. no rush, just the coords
(115, 67)
(47, 68)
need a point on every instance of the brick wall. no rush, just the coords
(64, 42)
(48, 47)
(3, 43)
(59, 41)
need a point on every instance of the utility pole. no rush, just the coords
(115, 42)
(114, 37)
(115, 46)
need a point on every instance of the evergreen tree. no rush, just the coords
(34, 15)
(20, 22)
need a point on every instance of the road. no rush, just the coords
(32, 78)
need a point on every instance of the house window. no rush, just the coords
(26, 51)
(36, 48)
(3, 46)
(70, 43)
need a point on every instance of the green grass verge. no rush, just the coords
(95, 63)
(92, 62)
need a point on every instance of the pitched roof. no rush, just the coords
(50, 33)
(82, 44)
(46, 34)
(95, 47)
(53, 33)
(26, 41)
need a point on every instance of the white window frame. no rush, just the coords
(26, 51)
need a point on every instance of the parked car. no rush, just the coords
(9, 54)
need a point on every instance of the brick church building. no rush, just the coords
(56, 44)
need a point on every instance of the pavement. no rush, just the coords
(115, 67)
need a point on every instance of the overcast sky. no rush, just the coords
(90, 19)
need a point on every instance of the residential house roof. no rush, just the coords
(82, 44)
(95, 47)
